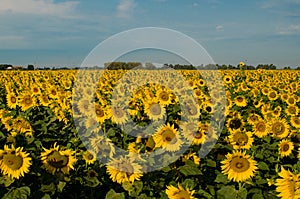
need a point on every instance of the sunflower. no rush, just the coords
(118, 115)
(102, 145)
(295, 121)
(292, 110)
(191, 156)
(84, 106)
(14, 162)
(101, 113)
(124, 169)
(288, 185)
(253, 118)
(240, 101)
(261, 128)
(89, 157)
(22, 125)
(179, 193)
(11, 100)
(164, 96)
(27, 101)
(227, 79)
(241, 140)
(272, 95)
(44, 100)
(56, 160)
(291, 101)
(279, 128)
(168, 138)
(155, 110)
(285, 147)
(238, 166)
(235, 122)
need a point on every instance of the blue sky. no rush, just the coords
(57, 32)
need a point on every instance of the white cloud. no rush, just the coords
(219, 28)
(38, 7)
(289, 30)
(125, 8)
(195, 4)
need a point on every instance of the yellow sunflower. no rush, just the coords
(235, 122)
(89, 157)
(279, 128)
(292, 110)
(118, 115)
(155, 110)
(285, 147)
(240, 139)
(164, 96)
(168, 138)
(295, 121)
(238, 166)
(179, 193)
(288, 186)
(124, 170)
(27, 101)
(56, 160)
(14, 162)
(240, 101)
(102, 145)
(11, 100)
(272, 95)
(260, 128)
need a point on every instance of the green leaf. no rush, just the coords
(6, 181)
(257, 196)
(189, 183)
(221, 178)
(61, 186)
(127, 186)
(138, 187)
(46, 196)
(18, 193)
(48, 188)
(211, 163)
(242, 193)
(263, 166)
(205, 194)
(111, 194)
(227, 192)
(190, 168)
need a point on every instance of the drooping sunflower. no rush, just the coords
(279, 128)
(14, 162)
(238, 166)
(288, 185)
(124, 169)
(155, 110)
(179, 193)
(56, 160)
(89, 157)
(241, 139)
(285, 147)
(168, 138)
(240, 101)
(260, 128)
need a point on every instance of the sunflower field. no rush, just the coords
(211, 134)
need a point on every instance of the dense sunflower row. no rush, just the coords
(141, 134)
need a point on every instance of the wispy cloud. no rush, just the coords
(219, 28)
(125, 8)
(293, 29)
(38, 7)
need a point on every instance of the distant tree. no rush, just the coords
(30, 67)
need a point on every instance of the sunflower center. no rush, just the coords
(90, 156)
(278, 128)
(57, 160)
(164, 96)
(192, 110)
(285, 147)
(168, 136)
(261, 126)
(13, 161)
(240, 99)
(99, 112)
(155, 109)
(198, 135)
(241, 138)
(235, 123)
(272, 95)
(118, 112)
(239, 164)
(13, 99)
(297, 121)
(182, 194)
(27, 100)
(127, 168)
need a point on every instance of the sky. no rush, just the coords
(63, 33)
